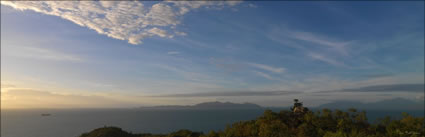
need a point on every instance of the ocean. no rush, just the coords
(74, 122)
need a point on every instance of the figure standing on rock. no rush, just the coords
(298, 107)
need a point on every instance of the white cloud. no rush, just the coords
(185, 6)
(5, 86)
(340, 47)
(316, 46)
(123, 20)
(264, 75)
(325, 59)
(160, 32)
(252, 5)
(268, 68)
(180, 33)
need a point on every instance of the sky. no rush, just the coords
(111, 54)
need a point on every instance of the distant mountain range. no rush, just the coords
(390, 104)
(210, 105)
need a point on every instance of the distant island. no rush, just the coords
(210, 105)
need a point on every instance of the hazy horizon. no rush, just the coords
(125, 54)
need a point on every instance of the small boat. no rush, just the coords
(44, 115)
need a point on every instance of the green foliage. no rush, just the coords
(184, 133)
(325, 123)
(107, 132)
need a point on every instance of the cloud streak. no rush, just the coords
(309, 37)
(234, 94)
(132, 21)
(30, 98)
(386, 88)
(314, 45)
(41, 53)
(267, 68)
(264, 75)
(325, 59)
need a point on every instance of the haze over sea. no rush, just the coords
(74, 122)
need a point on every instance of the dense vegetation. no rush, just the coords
(324, 123)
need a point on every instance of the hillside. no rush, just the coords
(324, 123)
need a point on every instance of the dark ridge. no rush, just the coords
(210, 105)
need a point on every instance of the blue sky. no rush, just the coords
(138, 53)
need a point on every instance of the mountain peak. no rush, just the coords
(212, 105)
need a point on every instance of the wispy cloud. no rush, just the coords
(385, 88)
(389, 88)
(233, 93)
(30, 98)
(315, 46)
(325, 59)
(292, 37)
(41, 53)
(379, 75)
(340, 47)
(173, 52)
(3, 85)
(267, 68)
(123, 20)
(264, 75)
(186, 73)
(251, 5)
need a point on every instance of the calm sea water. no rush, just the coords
(71, 123)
